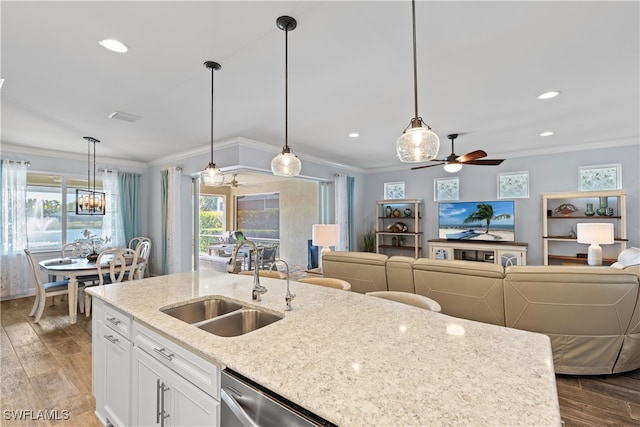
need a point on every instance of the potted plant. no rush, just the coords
(369, 240)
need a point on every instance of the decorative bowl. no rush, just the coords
(566, 209)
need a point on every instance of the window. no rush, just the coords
(258, 216)
(50, 210)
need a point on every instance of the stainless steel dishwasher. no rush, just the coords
(247, 404)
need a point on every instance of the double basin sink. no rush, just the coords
(222, 317)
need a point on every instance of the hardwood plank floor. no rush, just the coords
(47, 367)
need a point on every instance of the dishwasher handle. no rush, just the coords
(237, 410)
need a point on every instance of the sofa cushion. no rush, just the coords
(400, 274)
(470, 290)
(365, 271)
(585, 311)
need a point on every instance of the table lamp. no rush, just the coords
(325, 235)
(595, 235)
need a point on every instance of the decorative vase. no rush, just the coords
(604, 204)
(572, 232)
(609, 211)
(387, 211)
(396, 213)
(407, 212)
(92, 257)
(589, 211)
(394, 241)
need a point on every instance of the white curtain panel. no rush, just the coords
(173, 220)
(342, 211)
(16, 277)
(112, 221)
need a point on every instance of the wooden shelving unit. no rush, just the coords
(407, 212)
(559, 247)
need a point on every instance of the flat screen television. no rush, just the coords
(486, 221)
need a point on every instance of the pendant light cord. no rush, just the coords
(286, 90)
(415, 60)
(94, 168)
(212, 72)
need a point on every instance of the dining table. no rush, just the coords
(72, 268)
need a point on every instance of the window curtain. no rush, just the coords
(170, 199)
(112, 221)
(16, 277)
(130, 203)
(344, 210)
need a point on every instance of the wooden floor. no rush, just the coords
(47, 367)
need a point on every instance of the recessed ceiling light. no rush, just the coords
(114, 45)
(549, 95)
(354, 135)
(548, 133)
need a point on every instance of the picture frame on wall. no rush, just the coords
(513, 185)
(394, 190)
(446, 189)
(600, 177)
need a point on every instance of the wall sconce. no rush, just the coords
(595, 235)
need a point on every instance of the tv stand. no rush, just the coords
(502, 253)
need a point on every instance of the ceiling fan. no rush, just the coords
(234, 182)
(453, 162)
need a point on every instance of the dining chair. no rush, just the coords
(415, 300)
(133, 243)
(268, 256)
(74, 250)
(327, 282)
(114, 265)
(44, 290)
(141, 259)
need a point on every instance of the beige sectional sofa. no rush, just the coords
(591, 314)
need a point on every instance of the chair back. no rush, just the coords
(327, 282)
(36, 271)
(75, 249)
(133, 243)
(415, 300)
(113, 263)
(140, 259)
(268, 255)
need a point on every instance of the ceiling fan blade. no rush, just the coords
(474, 155)
(485, 162)
(426, 166)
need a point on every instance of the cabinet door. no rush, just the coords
(146, 390)
(117, 356)
(98, 361)
(188, 405)
(441, 253)
(508, 258)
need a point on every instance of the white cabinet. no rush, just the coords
(503, 253)
(112, 349)
(560, 244)
(171, 386)
(398, 229)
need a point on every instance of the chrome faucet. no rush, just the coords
(288, 296)
(257, 289)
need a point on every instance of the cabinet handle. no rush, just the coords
(163, 414)
(114, 321)
(158, 410)
(161, 352)
(111, 338)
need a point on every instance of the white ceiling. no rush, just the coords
(481, 66)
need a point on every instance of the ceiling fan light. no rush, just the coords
(212, 175)
(453, 167)
(417, 144)
(286, 164)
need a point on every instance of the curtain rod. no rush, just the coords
(26, 162)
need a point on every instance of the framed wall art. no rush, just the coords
(513, 185)
(446, 188)
(393, 190)
(600, 177)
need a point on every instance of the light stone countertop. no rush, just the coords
(362, 361)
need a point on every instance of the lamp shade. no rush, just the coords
(325, 235)
(593, 233)
(212, 175)
(417, 144)
(286, 164)
(453, 167)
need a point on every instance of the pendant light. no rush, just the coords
(90, 201)
(212, 175)
(286, 163)
(417, 142)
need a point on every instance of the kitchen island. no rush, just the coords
(357, 360)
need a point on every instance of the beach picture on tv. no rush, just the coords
(493, 221)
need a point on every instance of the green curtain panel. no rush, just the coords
(130, 201)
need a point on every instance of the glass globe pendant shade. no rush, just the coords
(286, 164)
(212, 175)
(417, 144)
(453, 167)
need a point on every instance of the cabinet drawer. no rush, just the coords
(202, 373)
(117, 320)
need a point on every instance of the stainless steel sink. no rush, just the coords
(239, 322)
(198, 311)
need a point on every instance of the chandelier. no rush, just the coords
(90, 201)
